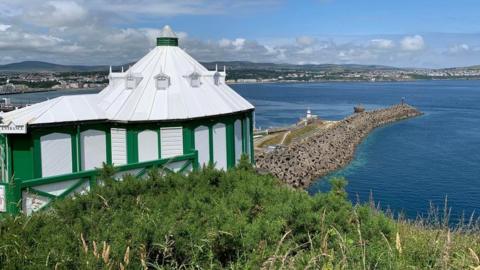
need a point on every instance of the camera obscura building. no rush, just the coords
(166, 110)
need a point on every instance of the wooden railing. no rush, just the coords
(81, 182)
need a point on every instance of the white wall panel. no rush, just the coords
(220, 146)
(202, 145)
(238, 140)
(147, 145)
(119, 146)
(56, 154)
(171, 142)
(93, 149)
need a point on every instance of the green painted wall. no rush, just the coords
(22, 156)
(26, 152)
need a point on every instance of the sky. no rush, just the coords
(406, 33)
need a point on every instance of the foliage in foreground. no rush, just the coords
(215, 219)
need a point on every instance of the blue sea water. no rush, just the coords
(405, 165)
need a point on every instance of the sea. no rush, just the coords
(405, 167)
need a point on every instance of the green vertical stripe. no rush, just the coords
(230, 134)
(210, 143)
(159, 137)
(79, 149)
(187, 140)
(37, 163)
(132, 146)
(108, 141)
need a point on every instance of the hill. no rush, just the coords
(213, 219)
(38, 66)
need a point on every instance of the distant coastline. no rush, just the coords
(356, 81)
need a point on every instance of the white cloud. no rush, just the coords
(224, 42)
(382, 43)
(459, 48)
(57, 14)
(237, 43)
(413, 43)
(104, 32)
(305, 40)
(4, 27)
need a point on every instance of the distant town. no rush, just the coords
(24, 77)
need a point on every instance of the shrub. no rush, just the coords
(216, 219)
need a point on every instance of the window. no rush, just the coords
(93, 149)
(162, 81)
(171, 142)
(202, 145)
(147, 145)
(195, 79)
(119, 146)
(56, 154)
(220, 146)
(238, 140)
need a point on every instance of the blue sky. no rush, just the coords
(422, 33)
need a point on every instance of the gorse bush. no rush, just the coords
(212, 219)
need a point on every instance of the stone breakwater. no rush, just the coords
(328, 150)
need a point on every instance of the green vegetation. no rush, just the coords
(274, 139)
(213, 219)
(46, 84)
(301, 132)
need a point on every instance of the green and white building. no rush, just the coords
(167, 110)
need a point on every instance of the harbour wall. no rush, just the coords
(328, 150)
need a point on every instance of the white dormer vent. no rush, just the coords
(132, 81)
(162, 81)
(216, 78)
(195, 79)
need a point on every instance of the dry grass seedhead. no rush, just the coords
(84, 243)
(398, 243)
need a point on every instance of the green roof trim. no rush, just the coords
(167, 41)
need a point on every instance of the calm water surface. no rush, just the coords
(404, 165)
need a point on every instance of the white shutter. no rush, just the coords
(247, 123)
(171, 142)
(119, 146)
(202, 144)
(147, 145)
(56, 154)
(220, 146)
(93, 149)
(238, 140)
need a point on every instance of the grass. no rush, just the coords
(300, 132)
(237, 219)
(274, 139)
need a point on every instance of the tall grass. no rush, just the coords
(238, 219)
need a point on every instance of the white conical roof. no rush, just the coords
(140, 99)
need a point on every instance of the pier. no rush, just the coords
(301, 162)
